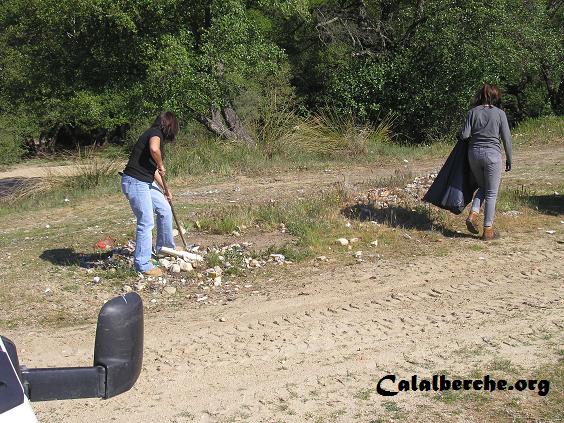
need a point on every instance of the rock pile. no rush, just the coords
(385, 197)
(204, 281)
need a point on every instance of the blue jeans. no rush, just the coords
(486, 165)
(145, 199)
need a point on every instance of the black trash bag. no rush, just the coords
(454, 186)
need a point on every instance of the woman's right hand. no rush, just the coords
(161, 169)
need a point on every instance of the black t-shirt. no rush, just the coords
(141, 165)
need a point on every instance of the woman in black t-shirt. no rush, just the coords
(142, 185)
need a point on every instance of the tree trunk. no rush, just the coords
(555, 95)
(227, 124)
(234, 123)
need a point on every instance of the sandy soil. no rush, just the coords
(313, 348)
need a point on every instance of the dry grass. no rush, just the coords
(87, 172)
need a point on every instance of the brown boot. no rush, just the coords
(155, 271)
(472, 223)
(489, 233)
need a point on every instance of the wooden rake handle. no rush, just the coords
(174, 215)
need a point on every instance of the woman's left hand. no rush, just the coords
(168, 195)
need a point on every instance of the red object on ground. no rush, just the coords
(101, 245)
(105, 243)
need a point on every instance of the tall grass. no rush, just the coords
(89, 175)
(284, 140)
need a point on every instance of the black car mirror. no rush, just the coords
(119, 342)
(118, 358)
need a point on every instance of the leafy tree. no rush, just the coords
(83, 67)
(423, 60)
(100, 63)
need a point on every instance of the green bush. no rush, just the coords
(13, 134)
(11, 148)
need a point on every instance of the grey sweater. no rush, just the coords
(484, 126)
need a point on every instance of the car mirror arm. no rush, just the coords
(63, 383)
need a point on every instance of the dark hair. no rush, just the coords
(168, 124)
(488, 94)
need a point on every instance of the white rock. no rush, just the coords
(200, 299)
(127, 288)
(254, 263)
(374, 243)
(175, 232)
(213, 272)
(512, 213)
(358, 254)
(185, 267)
(47, 291)
(353, 240)
(175, 268)
(171, 290)
(217, 281)
(278, 258)
(96, 279)
(139, 286)
(165, 263)
(343, 241)
(348, 224)
(153, 300)
(47, 226)
(322, 258)
(550, 232)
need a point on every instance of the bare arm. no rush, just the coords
(159, 181)
(155, 150)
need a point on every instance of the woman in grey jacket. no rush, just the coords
(485, 125)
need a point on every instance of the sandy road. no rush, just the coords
(293, 356)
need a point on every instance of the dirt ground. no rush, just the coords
(312, 343)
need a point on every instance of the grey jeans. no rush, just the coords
(485, 164)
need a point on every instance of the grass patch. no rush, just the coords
(540, 131)
(522, 406)
(290, 252)
(520, 198)
(310, 221)
(363, 394)
(394, 411)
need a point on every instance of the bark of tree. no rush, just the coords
(556, 96)
(236, 125)
(227, 124)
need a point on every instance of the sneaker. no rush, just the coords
(155, 271)
(489, 234)
(472, 223)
